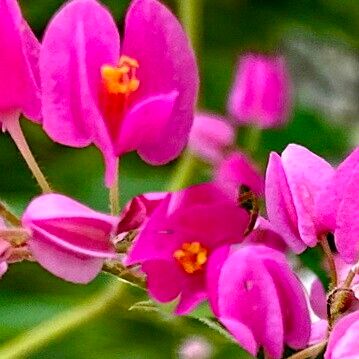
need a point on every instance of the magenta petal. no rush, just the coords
(242, 333)
(132, 216)
(155, 241)
(318, 299)
(347, 232)
(144, 124)
(255, 303)
(214, 267)
(293, 303)
(280, 206)
(343, 342)
(193, 293)
(71, 58)
(164, 279)
(19, 87)
(306, 174)
(329, 198)
(155, 38)
(64, 264)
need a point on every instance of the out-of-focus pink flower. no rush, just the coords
(254, 293)
(343, 341)
(338, 207)
(195, 348)
(69, 239)
(139, 97)
(174, 246)
(19, 85)
(261, 93)
(293, 182)
(211, 137)
(236, 170)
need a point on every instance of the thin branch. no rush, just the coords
(312, 351)
(330, 258)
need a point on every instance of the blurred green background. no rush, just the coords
(320, 39)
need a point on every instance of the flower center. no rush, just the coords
(122, 78)
(118, 83)
(192, 256)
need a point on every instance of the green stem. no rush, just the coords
(252, 140)
(14, 129)
(114, 196)
(183, 172)
(57, 327)
(190, 12)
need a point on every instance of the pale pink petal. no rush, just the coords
(65, 264)
(318, 332)
(279, 202)
(306, 174)
(155, 38)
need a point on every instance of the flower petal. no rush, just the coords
(279, 202)
(306, 174)
(329, 198)
(65, 264)
(143, 125)
(19, 87)
(164, 279)
(155, 38)
(347, 232)
(70, 62)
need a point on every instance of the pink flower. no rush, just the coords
(293, 182)
(137, 97)
(257, 297)
(69, 239)
(261, 93)
(237, 170)
(338, 207)
(174, 246)
(19, 87)
(343, 341)
(211, 137)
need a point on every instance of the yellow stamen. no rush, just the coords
(192, 256)
(121, 79)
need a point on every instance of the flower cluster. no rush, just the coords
(213, 241)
